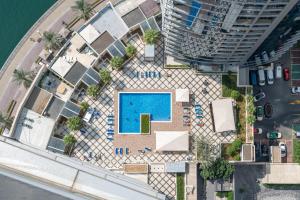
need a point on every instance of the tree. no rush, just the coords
(4, 120)
(69, 139)
(130, 50)
(84, 106)
(83, 9)
(52, 40)
(235, 94)
(117, 62)
(93, 90)
(105, 76)
(151, 36)
(74, 123)
(23, 77)
(204, 151)
(218, 169)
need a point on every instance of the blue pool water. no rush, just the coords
(194, 10)
(131, 105)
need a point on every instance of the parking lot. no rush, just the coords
(285, 113)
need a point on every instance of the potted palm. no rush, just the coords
(151, 37)
(117, 63)
(74, 123)
(105, 76)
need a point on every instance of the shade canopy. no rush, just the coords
(223, 115)
(89, 33)
(172, 140)
(182, 95)
(61, 66)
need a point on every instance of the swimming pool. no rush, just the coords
(131, 105)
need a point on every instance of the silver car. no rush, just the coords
(282, 147)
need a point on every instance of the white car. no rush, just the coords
(270, 76)
(278, 71)
(282, 147)
(265, 56)
(261, 76)
(295, 90)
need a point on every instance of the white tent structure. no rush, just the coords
(182, 95)
(223, 115)
(61, 66)
(172, 140)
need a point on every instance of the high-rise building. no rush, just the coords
(221, 32)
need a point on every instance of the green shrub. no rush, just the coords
(218, 169)
(130, 50)
(93, 90)
(105, 76)
(235, 147)
(180, 186)
(69, 139)
(237, 157)
(145, 124)
(74, 123)
(235, 94)
(296, 151)
(117, 62)
(230, 195)
(84, 106)
(151, 36)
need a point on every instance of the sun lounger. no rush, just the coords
(82, 131)
(110, 138)
(117, 151)
(148, 149)
(154, 74)
(137, 74)
(158, 74)
(126, 151)
(146, 75)
(142, 75)
(121, 151)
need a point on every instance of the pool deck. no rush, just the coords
(137, 142)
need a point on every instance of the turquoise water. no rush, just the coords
(131, 105)
(16, 18)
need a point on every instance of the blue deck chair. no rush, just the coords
(137, 74)
(154, 74)
(126, 151)
(146, 75)
(121, 151)
(117, 151)
(142, 75)
(110, 139)
(158, 74)
(82, 131)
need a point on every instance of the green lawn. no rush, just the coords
(180, 187)
(296, 151)
(229, 84)
(145, 123)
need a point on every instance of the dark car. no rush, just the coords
(259, 96)
(268, 110)
(253, 77)
(264, 150)
(286, 74)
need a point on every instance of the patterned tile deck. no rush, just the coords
(95, 142)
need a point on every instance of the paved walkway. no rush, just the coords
(28, 52)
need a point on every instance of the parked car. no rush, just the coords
(273, 135)
(259, 96)
(257, 59)
(253, 77)
(270, 75)
(295, 90)
(261, 76)
(257, 130)
(268, 110)
(282, 147)
(278, 71)
(264, 150)
(259, 113)
(286, 74)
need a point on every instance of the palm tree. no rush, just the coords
(52, 40)
(84, 9)
(4, 120)
(23, 77)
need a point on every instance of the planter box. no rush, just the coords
(145, 123)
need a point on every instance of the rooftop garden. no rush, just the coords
(230, 89)
(145, 124)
